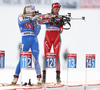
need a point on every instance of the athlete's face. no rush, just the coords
(32, 13)
(56, 10)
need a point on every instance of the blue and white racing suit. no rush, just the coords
(29, 40)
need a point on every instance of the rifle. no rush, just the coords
(53, 20)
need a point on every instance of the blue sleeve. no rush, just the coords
(37, 29)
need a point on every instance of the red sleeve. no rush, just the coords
(61, 29)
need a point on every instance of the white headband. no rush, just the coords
(30, 9)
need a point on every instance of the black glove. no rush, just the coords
(61, 22)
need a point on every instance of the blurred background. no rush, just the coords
(83, 37)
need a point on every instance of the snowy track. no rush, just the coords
(74, 83)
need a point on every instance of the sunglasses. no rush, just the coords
(57, 5)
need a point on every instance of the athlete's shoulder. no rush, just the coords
(21, 15)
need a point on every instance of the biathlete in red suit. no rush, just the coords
(52, 37)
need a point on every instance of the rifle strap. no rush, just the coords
(69, 26)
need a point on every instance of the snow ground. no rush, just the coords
(74, 78)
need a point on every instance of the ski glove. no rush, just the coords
(33, 18)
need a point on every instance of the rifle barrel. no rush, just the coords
(83, 18)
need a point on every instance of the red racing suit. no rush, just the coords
(52, 37)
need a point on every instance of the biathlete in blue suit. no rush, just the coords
(29, 31)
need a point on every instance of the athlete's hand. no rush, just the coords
(61, 22)
(33, 18)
